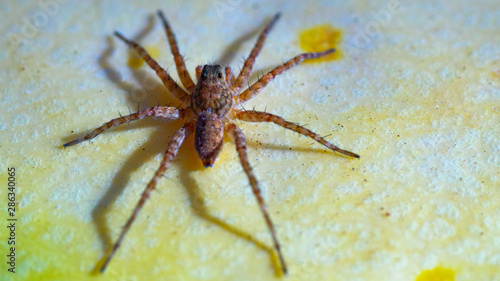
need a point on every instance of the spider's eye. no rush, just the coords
(219, 74)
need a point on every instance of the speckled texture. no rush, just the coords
(417, 96)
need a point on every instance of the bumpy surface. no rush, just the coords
(416, 94)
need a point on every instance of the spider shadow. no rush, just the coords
(199, 208)
(150, 91)
(155, 93)
(230, 52)
(317, 149)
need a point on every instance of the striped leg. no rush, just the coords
(173, 147)
(229, 76)
(179, 60)
(241, 148)
(168, 113)
(264, 80)
(199, 68)
(244, 75)
(173, 87)
(257, 116)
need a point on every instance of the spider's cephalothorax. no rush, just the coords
(209, 110)
(211, 92)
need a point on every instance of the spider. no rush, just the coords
(210, 106)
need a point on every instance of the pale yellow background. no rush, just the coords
(417, 97)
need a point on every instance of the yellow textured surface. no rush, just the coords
(416, 94)
(319, 38)
(437, 274)
(136, 61)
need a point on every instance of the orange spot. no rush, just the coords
(496, 74)
(437, 274)
(135, 61)
(320, 38)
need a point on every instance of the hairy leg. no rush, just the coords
(257, 116)
(165, 112)
(241, 148)
(264, 80)
(229, 76)
(173, 87)
(172, 149)
(179, 60)
(244, 75)
(199, 68)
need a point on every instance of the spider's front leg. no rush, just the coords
(172, 149)
(171, 85)
(241, 148)
(258, 116)
(179, 60)
(244, 75)
(264, 80)
(165, 112)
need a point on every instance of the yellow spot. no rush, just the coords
(496, 74)
(437, 274)
(135, 61)
(320, 38)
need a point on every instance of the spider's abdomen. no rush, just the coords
(208, 137)
(211, 92)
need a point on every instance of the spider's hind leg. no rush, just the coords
(172, 149)
(241, 148)
(258, 116)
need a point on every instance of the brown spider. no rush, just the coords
(209, 108)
